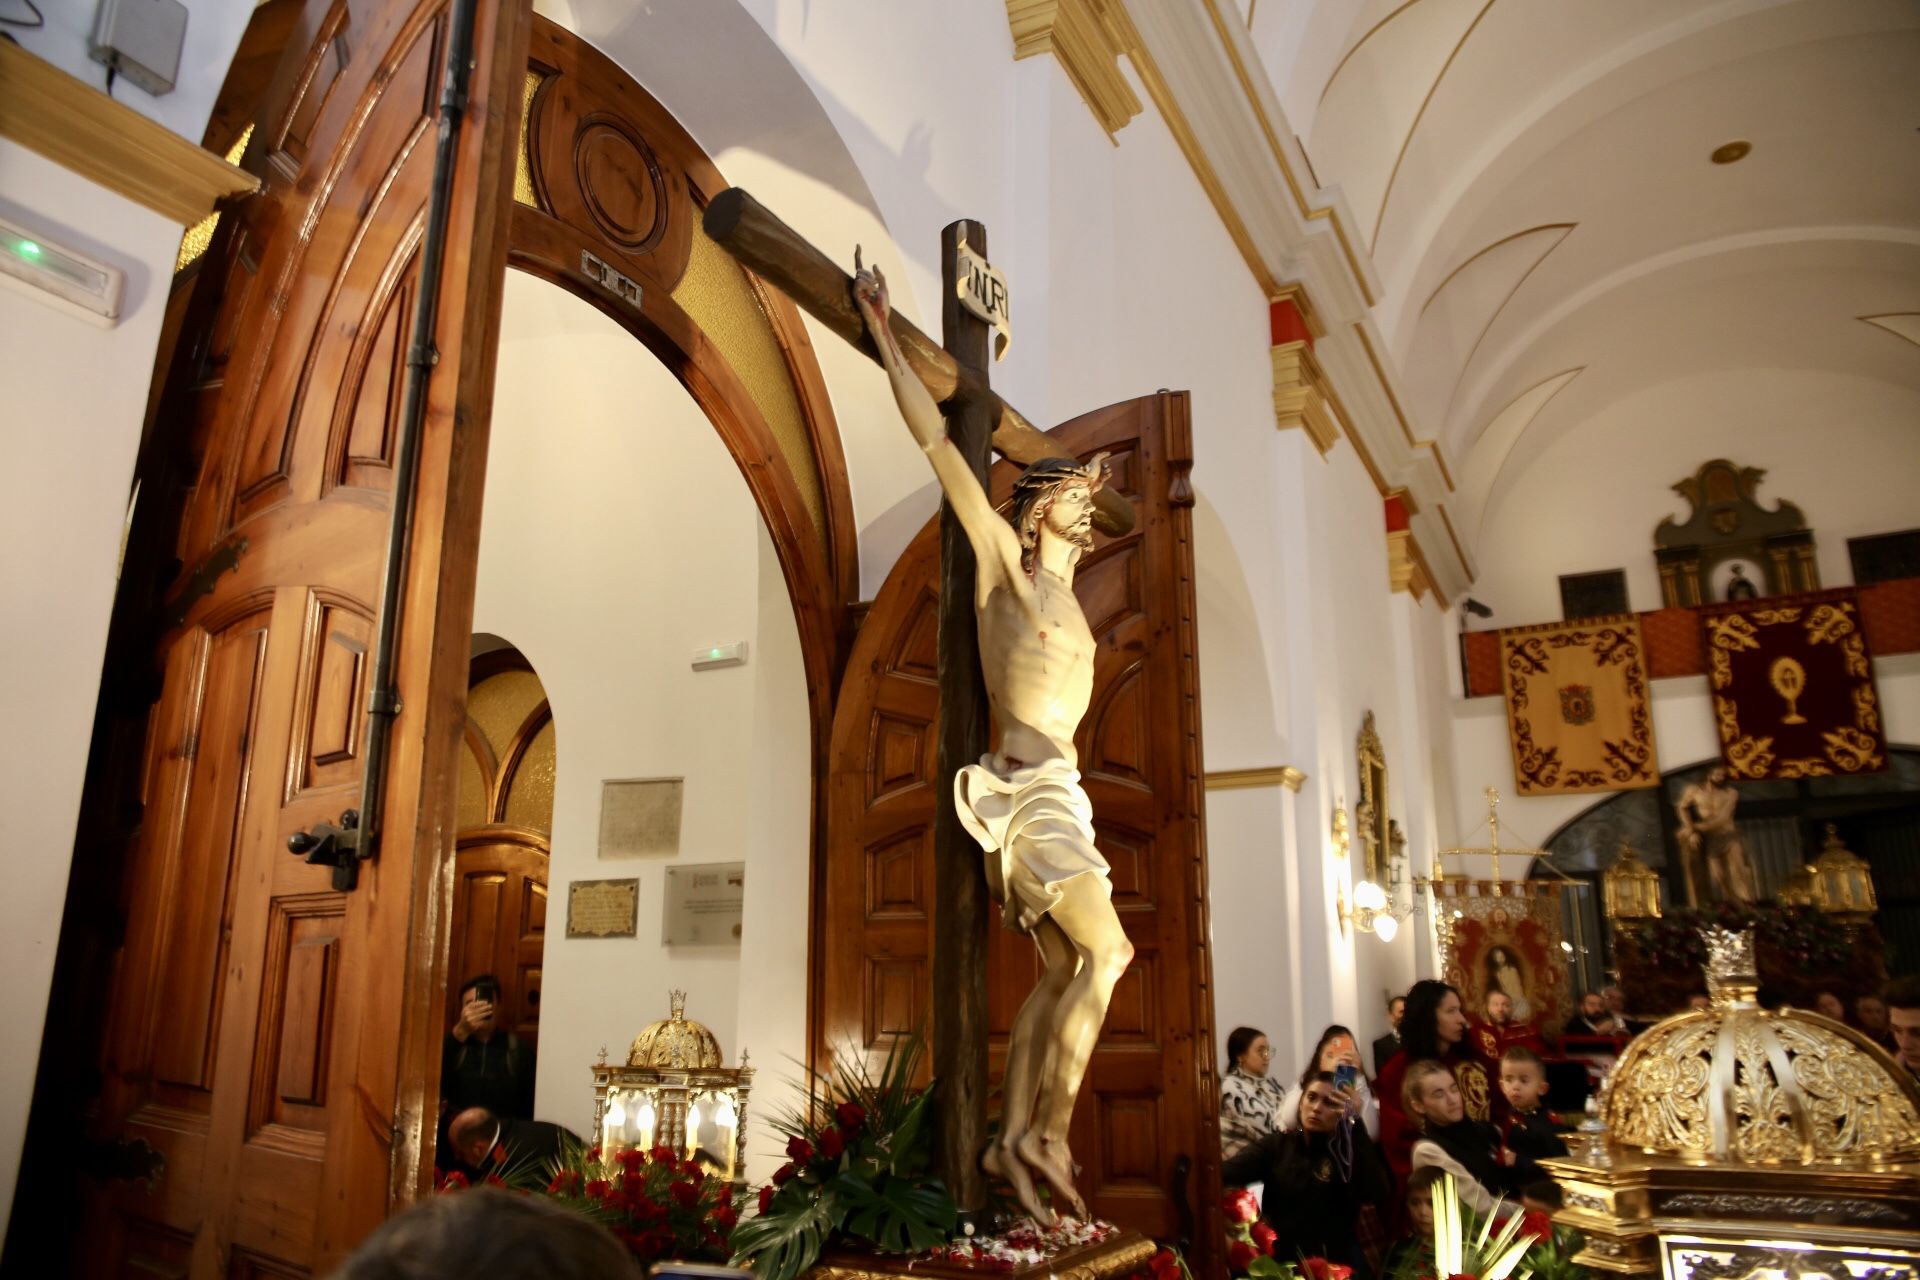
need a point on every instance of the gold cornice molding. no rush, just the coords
(1407, 568)
(1300, 396)
(1087, 38)
(107, 142)
(1280, 775)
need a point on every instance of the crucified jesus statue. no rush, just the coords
(1024, 802)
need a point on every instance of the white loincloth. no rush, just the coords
(1045, 810)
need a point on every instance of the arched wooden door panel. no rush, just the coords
(500, 922)
(1149, 1095)
(272, 1038)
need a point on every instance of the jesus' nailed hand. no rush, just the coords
(1025, 804)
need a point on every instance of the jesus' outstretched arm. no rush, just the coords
(994, 544)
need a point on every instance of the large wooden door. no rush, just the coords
(275, 1040)
(1149, 1096)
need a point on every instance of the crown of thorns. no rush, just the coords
(1040, 484)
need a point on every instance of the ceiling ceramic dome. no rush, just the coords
(675, 1042)
(1737, 1083)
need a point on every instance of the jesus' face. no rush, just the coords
(1070, 514)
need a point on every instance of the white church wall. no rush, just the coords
(1576, 504)
(75, 397)
(619, 537)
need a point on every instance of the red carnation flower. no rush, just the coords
(631, 1160)
(1263, 1237)
(599, 1189)
(1240, 1257)
(495, 1180)
(766, 1196)
(783, 1175)
(831, 1143)
(724, 1217)
(1536, 1224)
(1165, 1266)
(726, 1194)
(1241, 1206)
(453, 1181)
(851, 1116)
(1321, 1269)
(663, 1155)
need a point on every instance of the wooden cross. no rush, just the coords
(978, 422)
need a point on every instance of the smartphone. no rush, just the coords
(1345, 1075)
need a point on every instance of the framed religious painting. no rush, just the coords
(1374, 827)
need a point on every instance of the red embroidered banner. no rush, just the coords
(1577, 712)
(1792, 686)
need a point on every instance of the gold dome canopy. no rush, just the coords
(675, 1041)
(1736, 1083)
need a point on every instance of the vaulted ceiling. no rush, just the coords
(1557, 217)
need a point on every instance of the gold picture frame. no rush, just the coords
(1372, 823)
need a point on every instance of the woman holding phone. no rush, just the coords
(1337, 1055)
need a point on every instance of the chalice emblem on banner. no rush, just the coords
(1789, 680)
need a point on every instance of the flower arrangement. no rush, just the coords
(1250, 1246)
(661, 1207)
(857, 1167)
(1466, 1246)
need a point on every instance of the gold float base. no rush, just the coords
(1121, 1255)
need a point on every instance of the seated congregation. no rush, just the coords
(1341, 1166)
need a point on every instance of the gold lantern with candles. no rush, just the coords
(673, 1092)
(1842, 882)
(1630, 888)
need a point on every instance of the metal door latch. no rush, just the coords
(327, 845)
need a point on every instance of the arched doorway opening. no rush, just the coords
(502, 848)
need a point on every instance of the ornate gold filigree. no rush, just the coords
(1739, 1083)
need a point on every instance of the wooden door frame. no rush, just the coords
(547, 239)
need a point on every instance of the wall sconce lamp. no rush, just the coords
(1371, 912)
(1372, 908)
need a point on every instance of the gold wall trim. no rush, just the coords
(1875, 321)
(1407, 568)
(1087, 40)
(1508, 239)
(1347, 57)
(1400, 414)
(1299, 395)
(1299, 194)
(107, 142)
(1280, 775)
(1393, 174)
(1189, 143)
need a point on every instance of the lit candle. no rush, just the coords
(693, 1129)
(646, 1124)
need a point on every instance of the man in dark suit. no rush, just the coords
(488, 1144)
(1389, 1044)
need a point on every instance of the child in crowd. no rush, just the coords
(1531, 1133)
(1449, 1140)
(1419, 1238)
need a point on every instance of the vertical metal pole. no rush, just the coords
(961, 912)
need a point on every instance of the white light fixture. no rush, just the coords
(616, 1114)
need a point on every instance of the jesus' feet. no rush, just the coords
(1052, 1161)
(1004, 1164)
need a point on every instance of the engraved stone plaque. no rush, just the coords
(603, 908)
(640, 817)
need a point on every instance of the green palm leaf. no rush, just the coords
(781, 1246)
(897, 1215)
